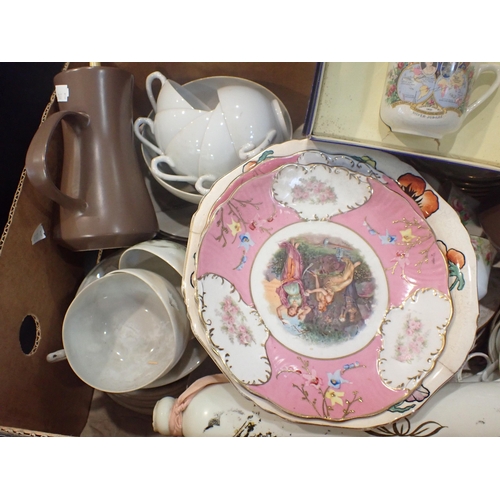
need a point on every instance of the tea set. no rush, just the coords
(206, 128)
(318, 306)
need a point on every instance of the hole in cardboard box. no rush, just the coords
(29, 334)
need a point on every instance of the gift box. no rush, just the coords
(345, 108)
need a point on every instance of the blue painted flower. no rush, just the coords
(335, 379)
(387, 239)
(245, 241)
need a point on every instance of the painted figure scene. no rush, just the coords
(320, 288)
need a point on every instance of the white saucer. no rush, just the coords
(193, 356)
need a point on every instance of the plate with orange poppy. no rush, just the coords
(294, 367)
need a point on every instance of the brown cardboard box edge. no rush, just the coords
(40, 280)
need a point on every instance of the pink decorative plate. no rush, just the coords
(320, 289)
(345, 410)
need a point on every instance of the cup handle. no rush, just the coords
(156, 75)
(281, 119)
(56, 356)
(36, 159)
(199, 183)
(169, 177)
(191, 179)
(138, 133)
(249, 150)
(483, 68)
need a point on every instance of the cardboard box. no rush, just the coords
(40, 278)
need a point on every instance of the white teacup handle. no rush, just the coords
(281, 119)
(249, 150)
(56, 356)
(137, 131)
(156, 75)
(483, 68)
(191, 179)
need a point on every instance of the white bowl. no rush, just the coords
(162, 257)
(169, 122)
(171, 95)
(125, 330)
(181, 190)
(218, 154)
(205, 89)
(184, 149)
(251, 119)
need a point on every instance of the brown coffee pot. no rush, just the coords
(103, 200)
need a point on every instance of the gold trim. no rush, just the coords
(333, 169)
(221, 352)
(433, 356)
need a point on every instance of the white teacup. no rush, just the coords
(431, 99)
(201, 183)
(163, 257)
(171, 95)
(251, 119)
(485, 255)
(218, 155)
(165, 126)
(206, 89)
(182, 155)
(166, 258)
(124, 331)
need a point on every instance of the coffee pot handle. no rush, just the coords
(36, 159)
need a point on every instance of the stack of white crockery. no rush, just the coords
(126, 332)
(208, 127)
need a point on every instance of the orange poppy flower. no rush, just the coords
(414, 187)
(456, 261)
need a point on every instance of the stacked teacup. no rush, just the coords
(208, 127)
(126, 332)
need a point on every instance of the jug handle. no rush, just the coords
(36, 160)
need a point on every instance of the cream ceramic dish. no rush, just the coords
(451, 236)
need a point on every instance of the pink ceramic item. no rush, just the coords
(452, 238)
(316, 297)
